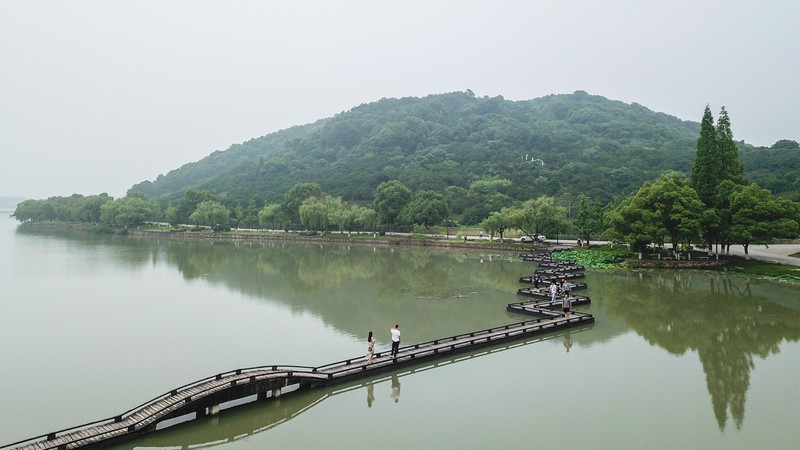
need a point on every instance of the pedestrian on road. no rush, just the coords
(370, 347)
(395, 340)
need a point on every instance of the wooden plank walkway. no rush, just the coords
(544, 292)
(563, 271)
(205, 396)
(560, 265)
(545, 283)
(546, 277)
(553, 309)
(205, 393)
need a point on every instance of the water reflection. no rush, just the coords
(370, 394)
(355, 288)
(727, 320)
(567, 341)
(395, 388)
(254, 418)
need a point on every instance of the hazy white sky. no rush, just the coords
(96, 96)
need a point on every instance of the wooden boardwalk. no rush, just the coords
(205, 396)
(546, 277)
(560, 265)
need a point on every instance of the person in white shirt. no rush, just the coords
(395, 340)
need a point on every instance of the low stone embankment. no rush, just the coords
(378, 240)
(662, 264)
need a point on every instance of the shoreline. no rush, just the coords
(343, 239)
(403, 240)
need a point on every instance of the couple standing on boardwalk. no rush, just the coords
(395, 343)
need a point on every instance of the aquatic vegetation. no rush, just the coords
(603, 257)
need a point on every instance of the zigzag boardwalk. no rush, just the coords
(545, 293)
(546, 277)
(550, 269)
(206, 396)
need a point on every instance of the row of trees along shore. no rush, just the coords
(714, 207)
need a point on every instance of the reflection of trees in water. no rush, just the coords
(356, 286)
(124, 251)
(727, 320)
(723, 318)
(422, 272)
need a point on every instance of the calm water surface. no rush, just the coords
(93, 325)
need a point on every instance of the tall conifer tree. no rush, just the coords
(728, 152)
(705, 172)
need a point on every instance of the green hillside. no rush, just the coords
(497, 151)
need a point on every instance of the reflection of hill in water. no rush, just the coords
(348, 286)
(727, 320)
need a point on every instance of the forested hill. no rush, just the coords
(457, 144)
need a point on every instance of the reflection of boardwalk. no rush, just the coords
(208, 396)
(258, 418)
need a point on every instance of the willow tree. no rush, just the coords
(270, 214)
(296, 196)
(540, 216)
(211, 213)
(318, 212)
(497, 223)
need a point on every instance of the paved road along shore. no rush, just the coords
(776, 253)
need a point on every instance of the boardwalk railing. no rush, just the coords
(205, 396)
(145, 414)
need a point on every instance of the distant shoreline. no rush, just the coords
(408, 241)
(361, 238)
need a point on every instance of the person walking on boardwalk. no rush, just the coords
(370, 347)
(553, 291)
(395, 340)
(536, 281)
(565, 286)
(566, 302)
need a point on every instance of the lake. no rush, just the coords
(93, 325)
